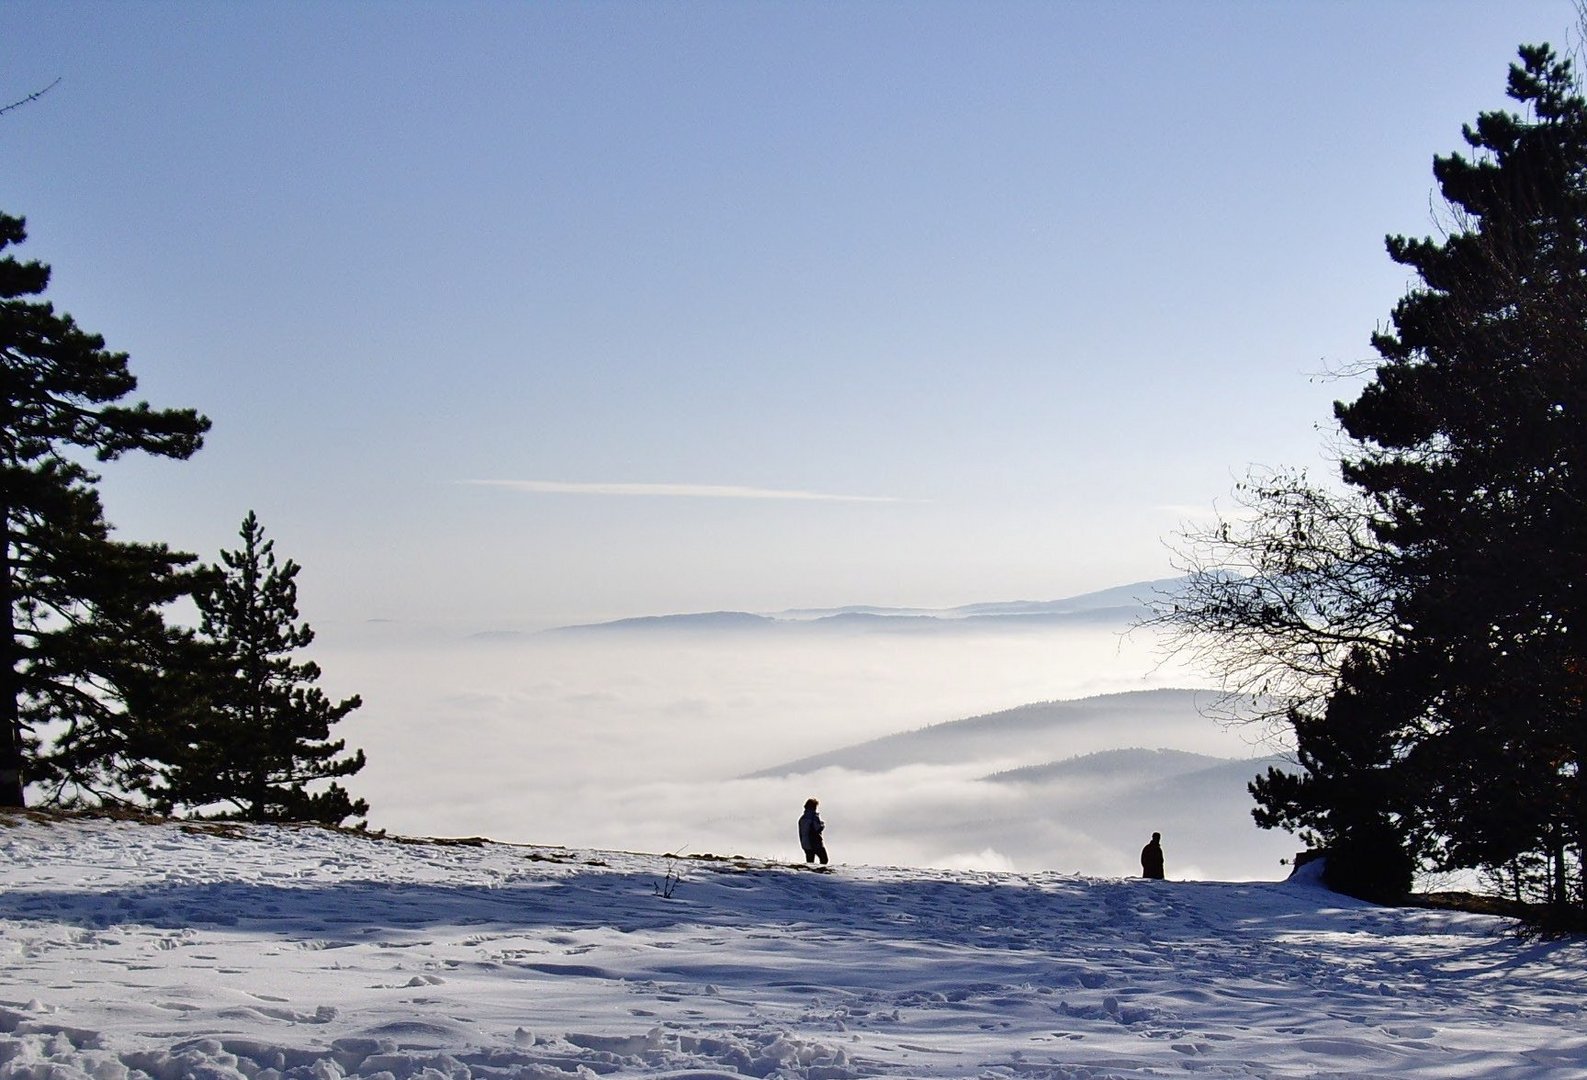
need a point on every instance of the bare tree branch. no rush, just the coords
(31, 97)
(1276, 595)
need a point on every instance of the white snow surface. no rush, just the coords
(200, 952)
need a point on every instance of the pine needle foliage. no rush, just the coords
(1423, 637)
(260, 748)
(83, 639)
(1471, 442)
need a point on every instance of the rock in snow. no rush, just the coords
(176, 951)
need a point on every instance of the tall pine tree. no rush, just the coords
(1471, 443)
(83, 643)
(260, 748)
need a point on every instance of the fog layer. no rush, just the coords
(671, 741)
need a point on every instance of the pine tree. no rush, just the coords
(1351, 796)
(262, 738)
(1472, 442)
(83, 643)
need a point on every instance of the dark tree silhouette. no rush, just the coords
(259, 748)
(82, 638)
(1426, 633)
(1472, 442)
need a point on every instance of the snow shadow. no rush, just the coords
(1013, 913)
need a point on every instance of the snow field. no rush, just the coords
(131, 950)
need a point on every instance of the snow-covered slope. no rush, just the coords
(217, 953)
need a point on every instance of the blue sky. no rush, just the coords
(508, 313)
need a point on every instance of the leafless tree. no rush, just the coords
(1275, 595)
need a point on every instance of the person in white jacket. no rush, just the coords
(810, 830)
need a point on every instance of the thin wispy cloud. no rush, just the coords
(676, 491)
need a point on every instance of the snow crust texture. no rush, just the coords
(132, 950)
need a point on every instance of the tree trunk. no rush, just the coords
(1557, 887)
(11, 760)
(1580, 822)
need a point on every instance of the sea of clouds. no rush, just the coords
(663, 740)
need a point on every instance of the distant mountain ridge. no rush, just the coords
(1120, 604)
(1108, 766)
(703, 620)
(1042, 732)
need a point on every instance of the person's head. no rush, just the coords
(811, 804)
(1156, 836)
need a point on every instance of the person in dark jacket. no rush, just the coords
(1152, 858)
(810, 830)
